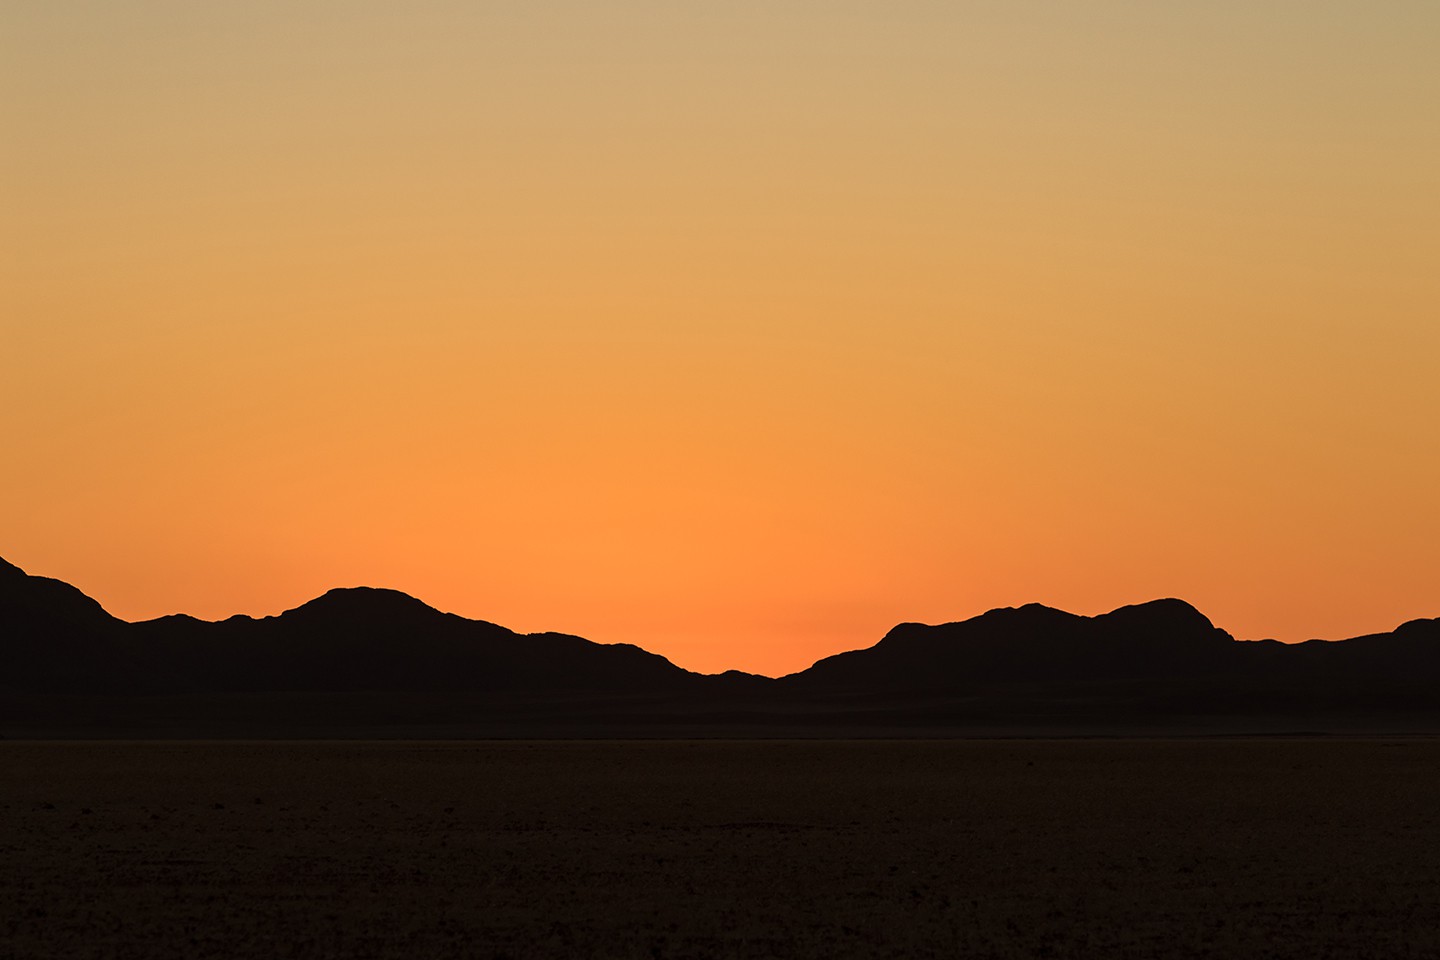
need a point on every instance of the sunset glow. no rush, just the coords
(740, 331)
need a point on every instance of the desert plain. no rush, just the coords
(1221, 847)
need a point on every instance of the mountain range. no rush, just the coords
(367, 662)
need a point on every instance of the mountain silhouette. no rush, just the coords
(1034, 643)
(376, 661)
(1157, 665)
(367, 639)
(56, 638)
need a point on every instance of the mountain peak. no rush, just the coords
(1422, 627)
(369, 603)
(1167, 614)
(1169, 606)
(1029, 611)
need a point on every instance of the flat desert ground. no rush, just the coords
(1304, 848)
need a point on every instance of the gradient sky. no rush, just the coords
(741, 331)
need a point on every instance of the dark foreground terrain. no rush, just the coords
(1202, 848)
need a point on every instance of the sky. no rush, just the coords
(740, 331)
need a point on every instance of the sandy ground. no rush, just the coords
(1205, 848)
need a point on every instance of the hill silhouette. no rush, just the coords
(367, 661)
(1035, 643)
(366, 639)
(360, 639)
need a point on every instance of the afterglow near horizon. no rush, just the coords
(737, 331)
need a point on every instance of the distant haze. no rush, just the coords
(737, 331)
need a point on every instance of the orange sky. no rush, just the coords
(738, 331)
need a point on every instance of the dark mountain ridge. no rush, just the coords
(1033, 642)
(55, 639)
(368, 639)
(396, 658)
